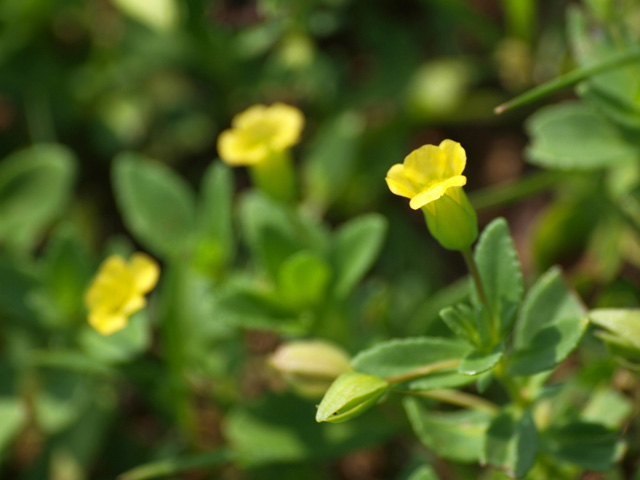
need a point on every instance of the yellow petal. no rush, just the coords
(436, 190)
(133, 304)
(425, 165)
(456, 157)
(249, 116)
(106, 324)
(287, 122)
(145, 271)
(110, 286)
(237, 149)
(398, 182)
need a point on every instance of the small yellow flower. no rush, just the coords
(432, 178)
(258, 132)
(118, 290)
(428, 172)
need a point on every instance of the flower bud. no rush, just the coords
(310, 366)
(452, 220)
(351, 394)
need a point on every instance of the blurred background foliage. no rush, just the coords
(90, 90)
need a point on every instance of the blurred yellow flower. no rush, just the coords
(428, 172)
(118, 290)
(258, 132)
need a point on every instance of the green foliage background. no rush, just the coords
(109, 115)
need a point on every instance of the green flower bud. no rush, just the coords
(452, 220)
(310, 366)
(351, 394)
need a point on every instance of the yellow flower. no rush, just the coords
(428, 172)
(118, 290)
(258, 132)
(432, 178)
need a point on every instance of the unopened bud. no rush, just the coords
(351, 394)
(310, 366)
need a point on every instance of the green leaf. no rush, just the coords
(607, 407)
(477, 361)
(67, 271)
(241, 305)
(35, 186)
(331, 158)
(60, 400)
(622, 350)
(548, 301)
(624, 323)
(456, 436)
(499, 268)
(549, 347)
(350, 395)
(441, 379)
(572, 136)
(274, 232)
(551, 323)
(303, 279)
(398, 357)
(588, 445)
(13, 417)
(356, 246)
(460, 319)
(160, 15)
(215, 246)
(511, 442)
(157, 205)
(424, 473)
(620, 335)
(120, 347)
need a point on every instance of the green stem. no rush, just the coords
(423, 371)
(569, 79)
(510, 385)
(275, 176)
(477, 281)
(460, 399)
(520, 17)
(507, 194)
(475, 275)
(175, 288)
